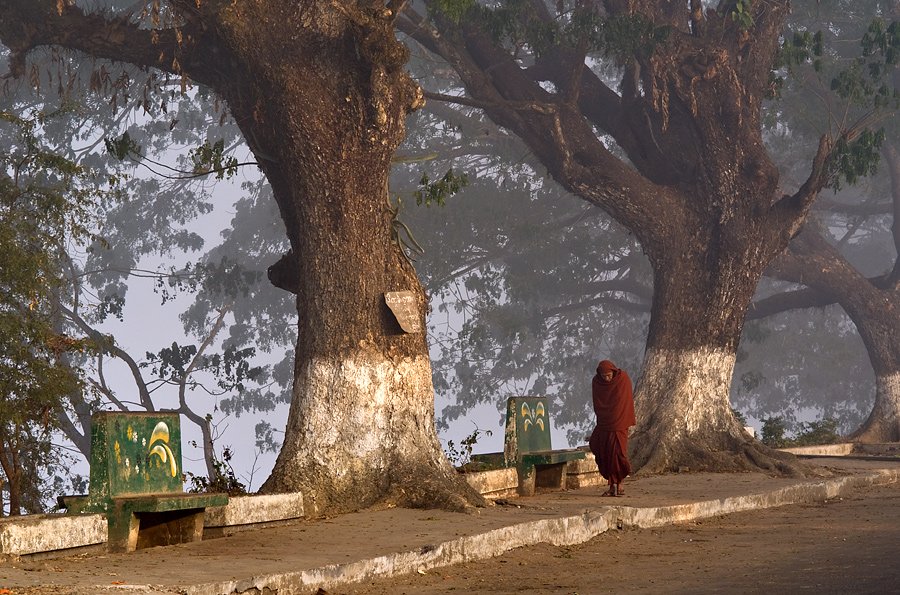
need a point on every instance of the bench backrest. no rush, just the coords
(527, 427)
(135, 453)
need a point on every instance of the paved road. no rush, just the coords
(847, 546)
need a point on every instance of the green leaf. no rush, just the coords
(123, 147)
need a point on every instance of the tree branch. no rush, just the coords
(28, 24)
(790, 212)
(110, 347)
(789, 300)
(544, 108)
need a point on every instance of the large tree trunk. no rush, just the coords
(361, 425)
(698, 188)
(702, 289)
(883, 423)
(320, 93)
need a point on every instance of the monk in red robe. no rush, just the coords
(614, 408)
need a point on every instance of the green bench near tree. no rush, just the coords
(527, 447)
(136, 481)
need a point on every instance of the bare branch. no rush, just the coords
(195, 361)
(111, 348)
(790, 212)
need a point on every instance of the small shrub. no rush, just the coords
(812, 433)
(773, 432)
(462, 456)
(224, 480)
(819, 432)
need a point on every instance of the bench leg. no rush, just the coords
(122, 530)
(169, 528)
(527, 478)
(129, 530)
(551, 476)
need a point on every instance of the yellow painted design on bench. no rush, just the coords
(533, 416)
(161, 433)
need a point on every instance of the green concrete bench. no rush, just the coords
(527, 447)
(136, 480)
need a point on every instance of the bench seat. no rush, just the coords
(552, 457)
(150, 520)
(527, 447)
(136, 481)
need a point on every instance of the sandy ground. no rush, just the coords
(851, 545)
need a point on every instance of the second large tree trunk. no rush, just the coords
(702, 289)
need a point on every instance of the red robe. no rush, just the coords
(614, 408)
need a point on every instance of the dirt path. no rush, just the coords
(851, 545)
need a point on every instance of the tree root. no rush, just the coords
(652, 456)
(416, 484)
(453, 496)
(874, 433)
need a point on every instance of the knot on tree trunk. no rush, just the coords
(283, 274)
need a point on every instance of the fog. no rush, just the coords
(530, 287)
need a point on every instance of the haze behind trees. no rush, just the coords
(704, 194)
(526, 369)
(787, 384)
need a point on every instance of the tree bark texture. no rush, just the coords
(320, 92)
(698, 188)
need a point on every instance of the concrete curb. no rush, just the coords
(811, 492)
(560, 531)
(254, 509)
(822, 450)
(33, 534)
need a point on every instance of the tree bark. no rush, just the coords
(320, 93)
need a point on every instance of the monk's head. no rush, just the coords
(606, 369)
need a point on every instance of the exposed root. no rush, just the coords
(662, 455)
(875, 433)
(453, 496)
(414, 485)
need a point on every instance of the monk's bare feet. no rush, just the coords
(620, 491)
(611, 491)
